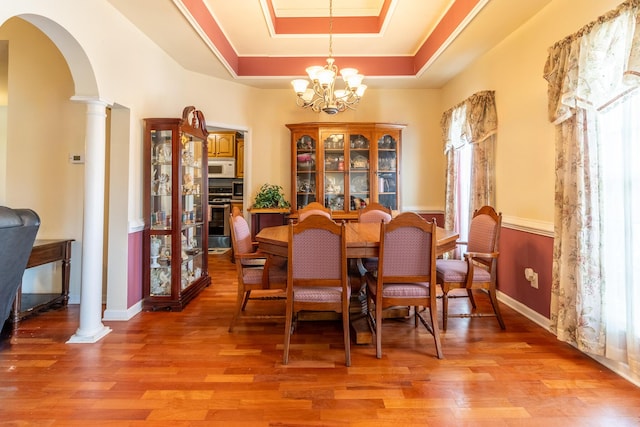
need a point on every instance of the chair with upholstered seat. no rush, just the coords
(317, 274)
(313, 208)
(372, 213)
(405, 275)
(256, 270)
(478, 269)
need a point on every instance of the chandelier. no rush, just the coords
(323, 96)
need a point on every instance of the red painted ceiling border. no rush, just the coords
(202, 16)
(294, 66)
(456, 14)
(320, 25)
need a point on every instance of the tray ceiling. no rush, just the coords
(266, 43)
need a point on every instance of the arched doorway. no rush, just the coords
(35, 129)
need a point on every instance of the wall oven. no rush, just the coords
(237, 190)
(219, 212)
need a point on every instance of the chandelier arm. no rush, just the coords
(322, 94)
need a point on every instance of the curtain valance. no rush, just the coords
(595, 66)
(471, 121)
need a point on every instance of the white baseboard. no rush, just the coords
(122, 315)
(534, 316)
(617, 367)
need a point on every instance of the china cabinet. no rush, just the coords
(222, 144)
(175, 234)
(345, 166)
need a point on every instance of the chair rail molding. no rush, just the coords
(542, 228)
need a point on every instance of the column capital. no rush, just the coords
(91, 100)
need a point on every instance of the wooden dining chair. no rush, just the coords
(477, 270)
(372, 213)
(317, 275)
(405, 275)
(257, 271)
(313, 208)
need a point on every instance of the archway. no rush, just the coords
(85, 85)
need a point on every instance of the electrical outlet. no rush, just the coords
(534, 281)
(532, 277)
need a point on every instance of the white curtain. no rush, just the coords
(591, 78)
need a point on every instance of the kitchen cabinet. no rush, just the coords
(175, 235)
(221, 144)
(345, 166)
(240, 158)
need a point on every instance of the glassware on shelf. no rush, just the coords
(155, 251)
(359, 142)
(161, 281)
(306, 142)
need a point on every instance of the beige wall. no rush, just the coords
(422, 162)
(42, 132)
(514, 69)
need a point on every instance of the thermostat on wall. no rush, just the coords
(76, 158)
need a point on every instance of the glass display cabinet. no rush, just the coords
(175, 234)
(345, 166)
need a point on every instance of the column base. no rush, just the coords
(89, 339)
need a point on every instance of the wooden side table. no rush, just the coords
(44, 252)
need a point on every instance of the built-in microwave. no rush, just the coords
(222, 168)
(237, 190)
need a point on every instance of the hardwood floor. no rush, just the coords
(185, 369)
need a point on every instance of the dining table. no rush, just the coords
(363, 241)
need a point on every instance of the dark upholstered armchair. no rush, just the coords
(18, 229)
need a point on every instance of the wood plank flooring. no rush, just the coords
(185, 369)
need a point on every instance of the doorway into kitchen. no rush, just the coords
(226, 149)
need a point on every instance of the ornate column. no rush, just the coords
(91, 328)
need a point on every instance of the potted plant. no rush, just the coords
(270, 196)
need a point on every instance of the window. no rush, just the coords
(618, 155)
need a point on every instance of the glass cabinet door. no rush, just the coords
(305, 167)
(334, 170)
(192, 221)
(359, 168)
(388, 171)
(161, 221)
